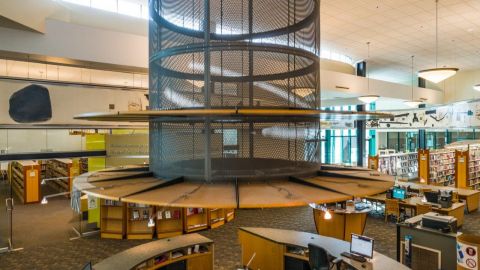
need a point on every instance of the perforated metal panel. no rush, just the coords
(233, 54)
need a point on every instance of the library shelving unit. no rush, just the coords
(373, 162)
(437, 167)
(83, 164)
(169, 221)
(402, 165)
(195, 219)
(216, 217)
(192, 252)
(467, 164)
(25, 179)
(61, 168)
(229, 214)
(113, 215)
(138, 216)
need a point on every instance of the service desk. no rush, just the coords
(342, 224)
(470, 196)
(456, 210)
(275, 249)
(189, 251)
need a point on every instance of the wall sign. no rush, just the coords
(467, 256)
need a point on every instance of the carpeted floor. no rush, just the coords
(44, 230)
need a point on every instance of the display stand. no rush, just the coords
(138, 216)
(195, 219)
(169, 221)
(25, 179)
(468, 247)
(112, 223)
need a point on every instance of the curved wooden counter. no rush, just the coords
(342, 224)
(272, 247)
(144, 256)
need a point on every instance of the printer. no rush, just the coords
(437, 222)
(445, 199)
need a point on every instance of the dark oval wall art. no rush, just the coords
(30, 105)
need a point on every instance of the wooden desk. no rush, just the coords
(472, 197)
(272, 245)
(342, 224)
(145, 254)
(456, 210)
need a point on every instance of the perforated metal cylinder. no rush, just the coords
(233, 54)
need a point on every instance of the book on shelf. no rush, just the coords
(176, 214)
(168, 214)
(136, 214)
(159, 214)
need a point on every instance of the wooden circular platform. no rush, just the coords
(135, 184)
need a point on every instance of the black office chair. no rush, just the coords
(320, 259)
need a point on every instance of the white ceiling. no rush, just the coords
(398, 29)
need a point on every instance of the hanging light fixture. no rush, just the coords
(412, 102)
(368, 98)
(476, 87)
(437, 74)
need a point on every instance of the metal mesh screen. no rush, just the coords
(233, 54)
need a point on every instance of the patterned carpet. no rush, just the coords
(47, 245)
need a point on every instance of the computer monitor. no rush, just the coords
(399, 193)
(361, 245)
(431, 196)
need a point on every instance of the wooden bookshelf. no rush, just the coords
(195, 219)
(138, 216)
(61, 168)
(437, 167)
(216, 217)
(402, 165)
(113, 216)
(229, 214)
(24, 177)
(83, 164)
(373, 162)
(192, 252)
(169, 221)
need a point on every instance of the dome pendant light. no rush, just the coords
(368, 98)
(476, 87)
(412, 102)
(437, 74)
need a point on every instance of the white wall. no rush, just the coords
(460, 86)
(70, 100)
(73, 41)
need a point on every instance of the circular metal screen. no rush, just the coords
(210, 54)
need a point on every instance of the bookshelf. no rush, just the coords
(112, 223)
(473, 161)
(138, 216)
(195, 219)
(169, 221)
(61, 168)
(83, 164)
(24, 177)
(402, 165)
(229, 214)
(437, 167)
(192, 252)
(216, 217)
